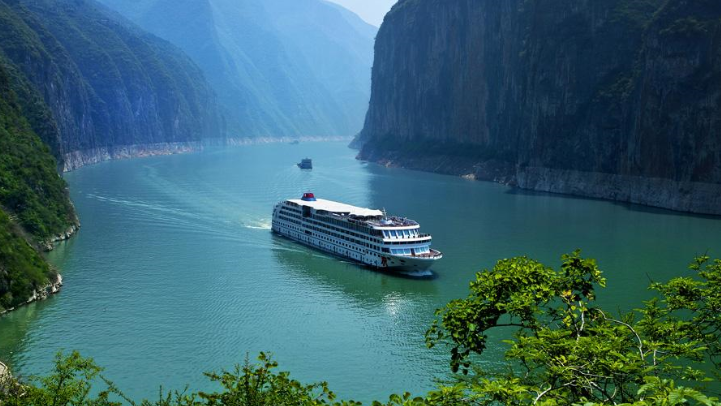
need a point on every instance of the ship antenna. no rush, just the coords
(385, 214)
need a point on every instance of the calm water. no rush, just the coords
(176, 272)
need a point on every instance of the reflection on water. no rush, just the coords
(176, 266)
(362, 284)
(12, 340)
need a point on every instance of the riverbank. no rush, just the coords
(42, 293)
(78, 159)
(184, 250)
(271, 140)
(690, 197)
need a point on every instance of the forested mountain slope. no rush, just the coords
(34, 203)
(79, 84)
(113, 89)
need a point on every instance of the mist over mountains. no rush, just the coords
(279, 67)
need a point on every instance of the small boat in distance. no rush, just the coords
(294, 142)
(306, 163)
(367, 236)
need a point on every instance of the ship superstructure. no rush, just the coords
(364, 235)
(305, 163)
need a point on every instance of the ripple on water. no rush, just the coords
(175, 266)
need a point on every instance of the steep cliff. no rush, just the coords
(279, 67)
(110, 86)
(619, 99)
(34, 203)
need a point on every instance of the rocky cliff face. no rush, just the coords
(35, 209)
(78, 84)
(619, 99)
(280, 67)
(108, 84)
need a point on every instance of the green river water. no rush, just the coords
(175, 270)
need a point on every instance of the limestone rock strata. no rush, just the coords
(108, 85)
(41, 293)
(77, 159)
(616, 99)
(49, 244)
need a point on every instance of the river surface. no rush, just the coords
(175, 270)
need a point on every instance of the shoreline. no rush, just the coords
(677, 196)
(43, 293)
(241, 141)
(49, 244)
(78, 159)
(81, 158)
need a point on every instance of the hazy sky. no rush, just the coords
(370, 10)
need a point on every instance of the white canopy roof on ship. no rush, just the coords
(336, 207)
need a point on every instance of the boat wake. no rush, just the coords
(427, 274)
(258, 225)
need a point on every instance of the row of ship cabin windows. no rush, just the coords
(400, 233)
(411, 251)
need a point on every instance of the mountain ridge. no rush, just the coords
(107, 83)
(275, 65)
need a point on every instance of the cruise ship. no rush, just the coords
(363, 235)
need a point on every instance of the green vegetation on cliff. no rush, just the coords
(77, 78)
(107, 83)
(34, 203)
(22, 269)
(561, 349)
(30, 186)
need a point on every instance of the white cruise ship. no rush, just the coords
(363, 235)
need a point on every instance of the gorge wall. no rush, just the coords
(280, 68)
(78, 85)
(107, 86)
(35, 208)
(619, 99)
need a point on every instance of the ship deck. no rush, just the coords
(391, 221)
(428, 255)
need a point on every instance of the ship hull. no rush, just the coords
(391, 263)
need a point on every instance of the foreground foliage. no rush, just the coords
(565, 349)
